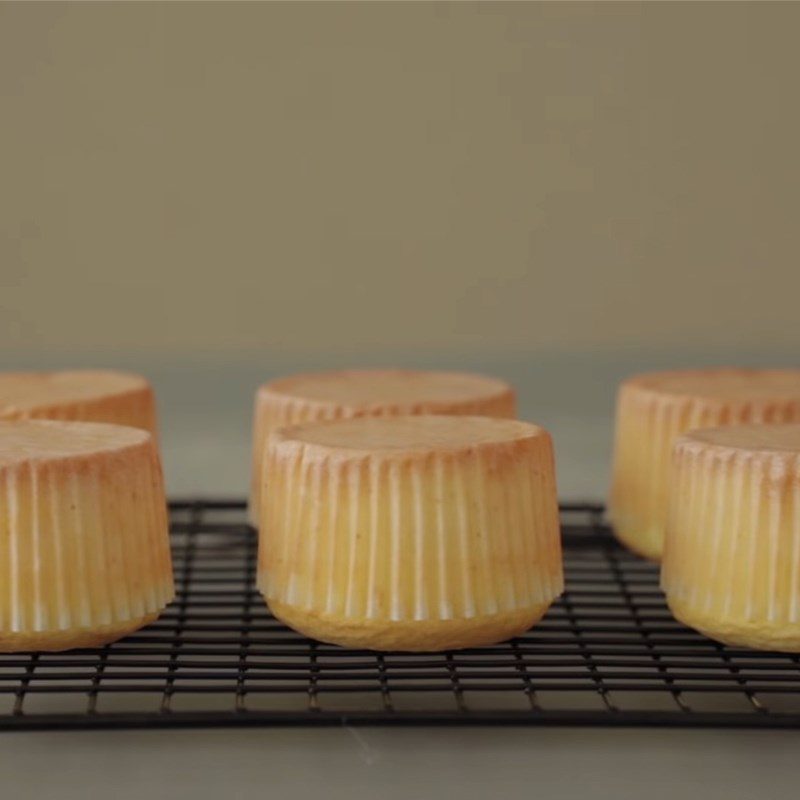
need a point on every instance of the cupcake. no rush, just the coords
(410, 533)
(375, 393)
(82, 395)
(655, 408)
(732, 552)
(84, 550)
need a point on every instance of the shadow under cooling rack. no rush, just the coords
(607, 653)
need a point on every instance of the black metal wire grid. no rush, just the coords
(607, 653)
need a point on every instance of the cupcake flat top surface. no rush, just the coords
(27, 390)
(365, 388)
(410, 433)
(725, 384)
(43, 439)
(758, 438)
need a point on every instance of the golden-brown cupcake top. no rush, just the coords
(53, 439)
(783, 438)
(22, 392)
(408, 434)
(722, 383)
(362, 390)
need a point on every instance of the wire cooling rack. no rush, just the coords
(607, 653)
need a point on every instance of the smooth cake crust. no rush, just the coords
(119, 398)
(412, 390)
(409, 635)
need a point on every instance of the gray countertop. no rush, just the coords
(205, 433)
(407, 764)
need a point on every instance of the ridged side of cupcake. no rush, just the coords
(348, 394)
(408, 548)
(84, 550)
(731, 564)
(653, 410)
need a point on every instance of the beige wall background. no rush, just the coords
(308, 178)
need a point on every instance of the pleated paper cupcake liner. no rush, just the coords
(434, 538)
(732, 558)
(275, 409)
(84, 542)
(647, 425)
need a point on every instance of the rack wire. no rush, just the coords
(607, 653)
